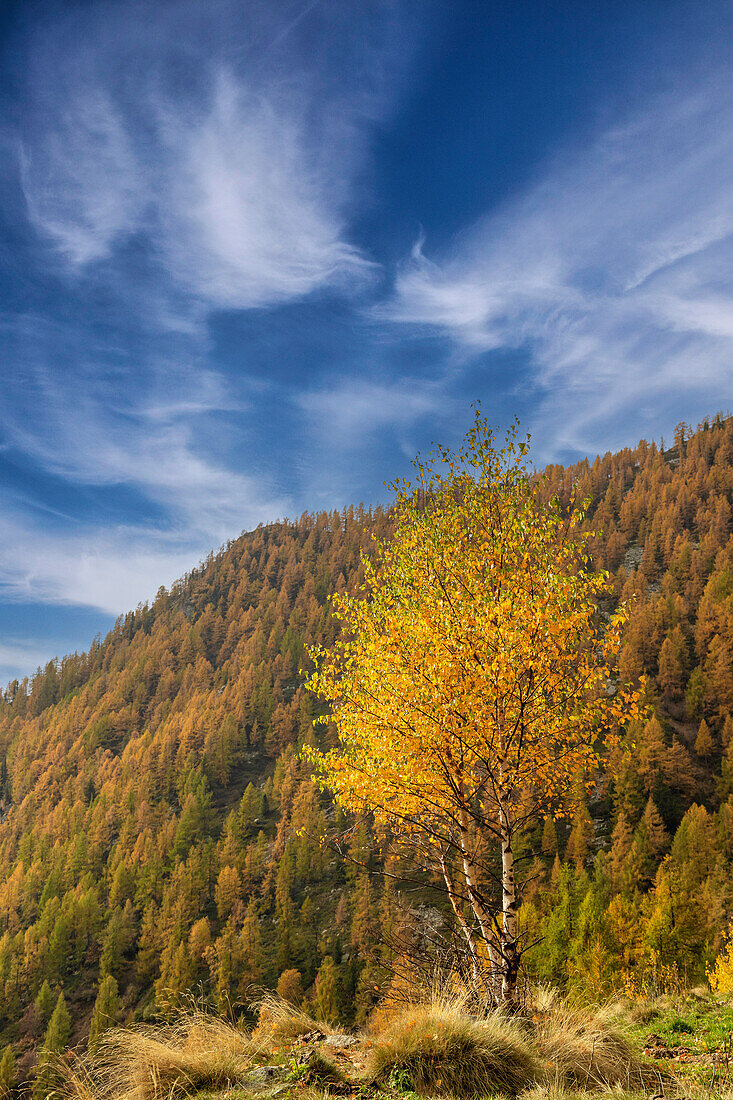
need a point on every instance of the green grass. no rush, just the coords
(317, 1068)
(693, 1024)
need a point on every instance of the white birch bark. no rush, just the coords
(509, 951)
(463, 923)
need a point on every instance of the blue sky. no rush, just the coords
(255, 255)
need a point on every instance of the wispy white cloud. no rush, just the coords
(20, 656)
(351, 422)
(349, 413)
(163, 449)
(611, 271)
(115, 566)
(161, 442)
(175, 160)
(248, 218)
(236, 174)
(81, 177)
(111, 569)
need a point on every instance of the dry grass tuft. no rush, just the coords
(588, 1048)
(73, 1080)
(281, 1022)
(320, 1069)
(161, 1063)
(644, 1013)
(438, 1048)
(555, 1091)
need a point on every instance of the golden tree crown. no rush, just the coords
(475, 655)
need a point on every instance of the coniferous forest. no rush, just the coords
(161, 829)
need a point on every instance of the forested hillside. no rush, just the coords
(159, 829)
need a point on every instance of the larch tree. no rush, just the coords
(704, 740)
(8, 1072)
(55, 1042)
(107, 1008)
(472, 684)
(290, 987)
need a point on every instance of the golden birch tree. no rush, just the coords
(473, 682)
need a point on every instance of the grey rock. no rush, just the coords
(264, 1075)
(341, 1041)
(311, 1037)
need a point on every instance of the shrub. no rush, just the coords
(438, 1048)
(316, 1068)
(279, 1021)
(586, 1047)
(721, 974)
(290, 987)
(157, 1063)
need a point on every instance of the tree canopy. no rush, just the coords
(473, 684)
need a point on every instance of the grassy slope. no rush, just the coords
(554, 1052)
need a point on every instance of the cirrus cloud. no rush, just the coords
(611, 271)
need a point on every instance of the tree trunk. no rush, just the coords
(468, 934)
(483, 917)
(511, 956)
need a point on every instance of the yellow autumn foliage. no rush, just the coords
(474, 679)
(720, 975)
